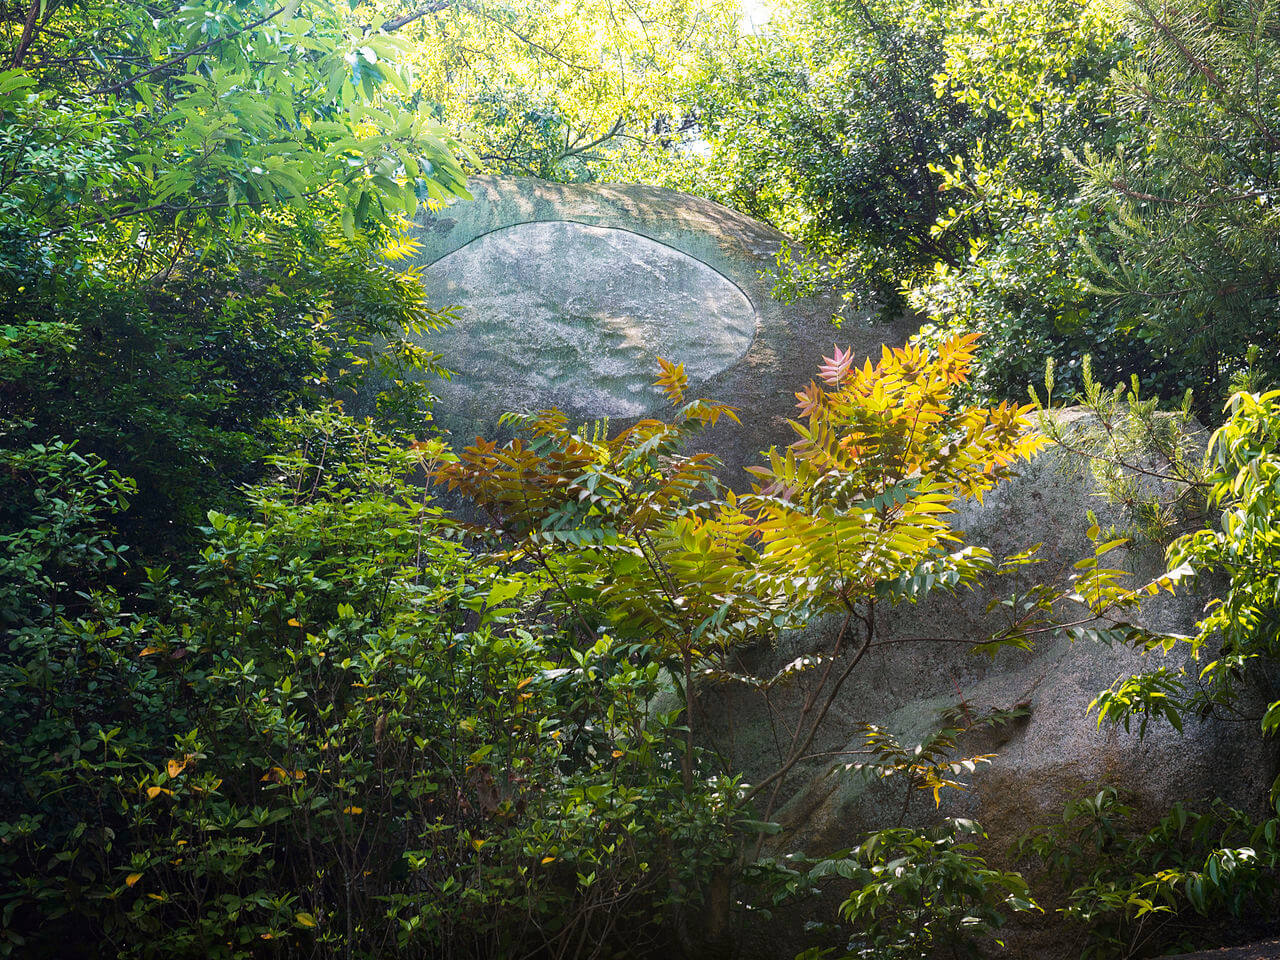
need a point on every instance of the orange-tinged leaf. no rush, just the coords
(546, 860)
(131, 879)
(478, 843)
(153, 792)
(834, 369)
(294, 623)
(673, 380)
(175, 767)
(616, 754)
(353, 810)
(148, 651)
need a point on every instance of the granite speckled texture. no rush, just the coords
(569, 292)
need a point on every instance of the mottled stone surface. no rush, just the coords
(1263, 950)
(576, 316)
(569, 292)
(1055, 753)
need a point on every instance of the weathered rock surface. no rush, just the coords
(570, 292)
(1053, 754)
(1263, 950)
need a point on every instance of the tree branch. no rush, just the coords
(408, 18)
(28, 34)
(194, 51)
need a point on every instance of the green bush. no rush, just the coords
(334, 733)
(1135, 890)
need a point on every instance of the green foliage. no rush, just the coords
(54, 538)
(1237, 632)
(847, 520)
(827, 128)
(918, 891)
(1145, 460)
(129, 136)
(173, 386)
(1190, 254)
(556, 90)
(195, 210)
(1136, 891)
(339, 740)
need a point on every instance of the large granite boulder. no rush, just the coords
(568, 294)
(1053, 753)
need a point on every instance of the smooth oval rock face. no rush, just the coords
(572, 315)
(569, 292)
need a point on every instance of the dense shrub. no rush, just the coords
(331, 733)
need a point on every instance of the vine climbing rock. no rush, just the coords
(568, 293)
